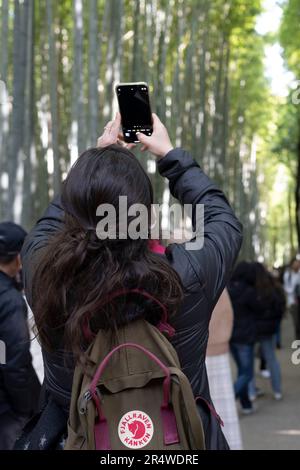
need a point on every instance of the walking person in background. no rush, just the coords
(272, 306)
(245, 307)
(19, 385)
(291, 280)
(219, 372)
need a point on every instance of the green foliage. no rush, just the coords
(203, 61)
(290, 34)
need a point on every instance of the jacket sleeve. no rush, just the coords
(210, 264)
(17, 370)
(51, 221)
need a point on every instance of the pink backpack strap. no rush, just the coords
(211, 409)
(163, 325)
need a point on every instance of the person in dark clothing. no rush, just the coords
(246, 306)
(291, 282)
(272, 307)
(67, 268)
(19, 386)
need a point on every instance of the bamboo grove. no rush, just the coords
(203, 60)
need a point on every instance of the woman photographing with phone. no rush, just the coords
(67, 268)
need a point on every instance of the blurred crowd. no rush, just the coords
(249, 316)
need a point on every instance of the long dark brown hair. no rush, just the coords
(78, 271)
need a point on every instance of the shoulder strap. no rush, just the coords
(192, 413)
(163, 325)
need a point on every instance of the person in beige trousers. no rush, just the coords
(219, 372)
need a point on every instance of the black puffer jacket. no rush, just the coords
(255, 316)
(270, 314)
(19, 385)
(246, 308)
(204, 273)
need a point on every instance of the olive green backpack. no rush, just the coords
(137, 397)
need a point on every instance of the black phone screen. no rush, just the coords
(135, 110)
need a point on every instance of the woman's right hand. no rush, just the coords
(159, 142)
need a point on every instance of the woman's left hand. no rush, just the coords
(112, 134)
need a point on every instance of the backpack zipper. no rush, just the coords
(86, 397)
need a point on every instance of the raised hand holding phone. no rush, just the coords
(159, 142)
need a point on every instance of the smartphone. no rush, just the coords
(135, 109)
